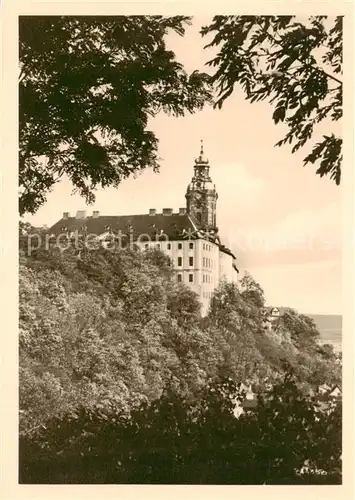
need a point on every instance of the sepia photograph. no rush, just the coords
(180, 249)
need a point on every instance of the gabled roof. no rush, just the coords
(171, 225)
(334, 388)
(175, 227)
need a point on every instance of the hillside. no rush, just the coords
(112, 336)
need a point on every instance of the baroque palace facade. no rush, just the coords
(189, 237)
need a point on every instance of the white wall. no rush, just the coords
(209, 265)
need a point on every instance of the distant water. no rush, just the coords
(330, 328)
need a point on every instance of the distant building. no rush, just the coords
(189, 237)
(271, 316)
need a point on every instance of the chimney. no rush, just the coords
(81, 214)
(182, 211)
(95, 214)
(152, 211)
(167, 211)
(66, 215)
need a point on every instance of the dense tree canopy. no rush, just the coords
(115, 328)
(286, 440)
(293, 63)
(88, 86)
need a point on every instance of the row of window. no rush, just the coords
(179, 261)
(205, 278)
(207, 295)
(191, 278)
(191, 246)
(207, 247)
(207, 262)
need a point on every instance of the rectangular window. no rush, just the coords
(169, 246)
(191, 245)
(191, 278)
(203, 246)
(203, 261)
(179, 278)
(191, 261)
(179, 261)
(179, 246)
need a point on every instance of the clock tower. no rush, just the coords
(201, 195)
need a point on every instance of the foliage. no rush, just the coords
(115, 326)
(111, 337)
(286, 440)
(294, 64)
(88, 86)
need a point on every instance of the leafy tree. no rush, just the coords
(176, 441)
(295, 65)
(251, 291)
(114, 328)
(88, 86)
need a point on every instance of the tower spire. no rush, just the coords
(201, 159)
(201, 195)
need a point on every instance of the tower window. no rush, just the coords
(203, 246)
(191, 245)
(179, 246)
(191, 261)
(204, 262)
(191, 278)
(179, 278)
(169, 246)
(179, 261)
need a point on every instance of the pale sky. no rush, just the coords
(281, 220)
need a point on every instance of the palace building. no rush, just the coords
(189, 237)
